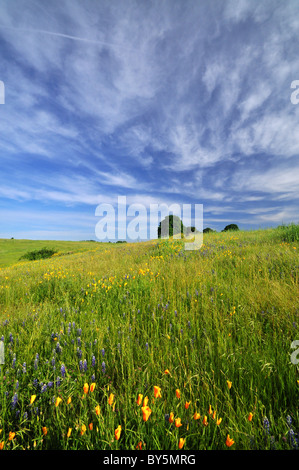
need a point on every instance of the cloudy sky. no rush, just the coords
(169, 101)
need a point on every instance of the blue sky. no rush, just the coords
(169, 101)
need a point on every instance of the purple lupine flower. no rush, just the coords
(85, 365)
(50, 384)
(93, 361)
(81, 366)
(79, 341)
(44, 388)
(146, 346)
(58, 348)
(62, 369)
(103, 367)
(79, 353)
(24, 368)
(103, 352)
(14, 401)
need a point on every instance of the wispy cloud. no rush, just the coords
(183, 101)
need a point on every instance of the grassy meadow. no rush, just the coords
(148, 346)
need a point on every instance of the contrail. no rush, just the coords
(67, 36)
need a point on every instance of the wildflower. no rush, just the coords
(181, 442)
(85, 388)
(117, 432)
(83, 429)
(210, 410)
(178, 393)
(45, 431)
(103, 367)
(166, 371)
(58, 400)
(157, 392)
(205, 421)
(90, 426)
(139, 399)
(98, 410)
(145, 401)
(229, 442)
(250, 416)
(266, 425)
(177, 422)
(69, 400)
(214, 414)
(110, 399)
(93, 361)
(196, 415)
(92, 387)
(62, 370)
(139, 445)
(11, 435)
(171, 417)
(33, 397)
(14, 401)
(229, 384)
(1, 445)
(146, 412)
(69, 432)
(187, 404)
(218, 421)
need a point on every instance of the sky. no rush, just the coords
(161, 102)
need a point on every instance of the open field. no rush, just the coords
(11, 250)
(205, 336)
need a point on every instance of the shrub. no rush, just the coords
(230, 227)
(38, 254)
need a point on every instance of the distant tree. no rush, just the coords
(230, 227)
(170, 226)
(208, 230)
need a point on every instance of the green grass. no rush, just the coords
(11, 250)
(226, 313)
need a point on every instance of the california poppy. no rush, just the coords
(177, 422)
(146, 411)
(110, 399)
(33, 397)
(117, 432)
(229, 442)
(157, 392)
(139, 399)
(181, 442)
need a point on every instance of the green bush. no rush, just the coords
(230, 227)
(38, 254)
